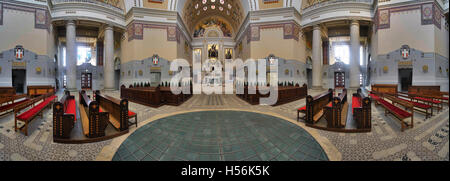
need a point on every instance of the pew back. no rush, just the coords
(385, 88)
(96, 122)
(336, 114)
(118, 110)
(362, 114)
(315, 105)
(37, 90)
(425, 90)
(64, 119)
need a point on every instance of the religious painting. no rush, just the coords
(427, 14)
(437, 17)
(384, 19)
(212, 22)
(213, 52)
(228, 53)
(172, 33)
(40, 19)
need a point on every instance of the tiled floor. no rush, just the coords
(220, 135)
(428, 140)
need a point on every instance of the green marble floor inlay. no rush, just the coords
(220, 136)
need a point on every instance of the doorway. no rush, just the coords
(18, 80)
(86, 81)
(309, 77)
(117, 79)
(405, 79)
(155, 79)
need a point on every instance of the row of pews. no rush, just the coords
(9, 99)
(286, 94)
(333, 106)
(95, 112)
(153, 96)
(28, 110)
(423, 99)
(394, 109)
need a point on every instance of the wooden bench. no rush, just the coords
(426, 108)
(336, 112)
(37, 90)
(399, 113)
(385, 88)
(424, 99)
(34, 110)
(375, 97)
(362, 110)
(9, 99)
(64, 116)
(118, 109)
(428, 93)
(148, 96)
(314, 106)
(93, 120)
(286, 94)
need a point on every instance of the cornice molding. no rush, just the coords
(65, 11)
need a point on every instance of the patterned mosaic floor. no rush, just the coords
(428, 140)
(220, 136)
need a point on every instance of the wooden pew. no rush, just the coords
(118, 109)
(149, 96)
(314, 106)
(424, 99)
(168, 98)
(430, 94)
(362, 110)
(419, 106)
(9, 99)
(336, 112)
(37, 90)
(398, 112)
(385, 88)
(286, 94)
(93, 120)
(35, 110)
(64, 116)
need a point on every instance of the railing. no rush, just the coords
(111, 4)
(312, 4)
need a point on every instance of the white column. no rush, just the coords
(108, 65)
(316, 59)
(71, 56)
(354, 55)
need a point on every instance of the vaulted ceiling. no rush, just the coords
(197, 10)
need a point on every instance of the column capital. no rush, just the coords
(354, 22)
(316, 27)
(70, 22)
(109, 27)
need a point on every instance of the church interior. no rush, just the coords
(93, 80)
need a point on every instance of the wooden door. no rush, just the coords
(339, 80)
(86, 80)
